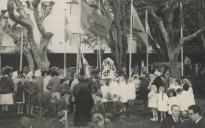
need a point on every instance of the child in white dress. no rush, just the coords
(131, 95)
(179, 97)
(187, 97)
(123, 91)
(172, 100)
(152, 102)
(162, 99)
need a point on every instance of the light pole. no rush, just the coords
(64, 57)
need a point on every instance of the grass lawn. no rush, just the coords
(140, 119)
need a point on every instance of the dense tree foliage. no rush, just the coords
(165, 19)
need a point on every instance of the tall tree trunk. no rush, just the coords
(41, 59)
(29, 58)
(124, 33)
(174, 52)
(34, 29)
(201, 20)
(118, 34)
(40, 54)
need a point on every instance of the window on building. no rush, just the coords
(75, 39)
(73, 7)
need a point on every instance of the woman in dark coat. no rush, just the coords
(83, 101)
(31, 90)
(6, 90)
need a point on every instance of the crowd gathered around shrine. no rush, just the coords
(96, 99)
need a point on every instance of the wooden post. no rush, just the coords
(21, 53)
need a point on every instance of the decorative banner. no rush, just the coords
(108, 68)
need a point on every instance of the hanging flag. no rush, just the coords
(68, 33)
(137, 25)
(93, 21)
(147, 27)
(83, 65)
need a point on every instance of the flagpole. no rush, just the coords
(21, 52)
(130, 41)
(64, 58)
(99, 57)
(78, 54)
(182, 49)
(147, 51)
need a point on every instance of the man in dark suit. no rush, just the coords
(195, 116)
(173, 120)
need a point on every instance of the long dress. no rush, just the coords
(187, 99)
(20, 96)
(152, 99)
(163, 101)
(83, 103)
(131, 89)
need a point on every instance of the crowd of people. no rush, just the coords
(95, 100)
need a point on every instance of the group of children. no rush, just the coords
(118, 89)
(161, 99)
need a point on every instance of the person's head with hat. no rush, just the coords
(6, 70)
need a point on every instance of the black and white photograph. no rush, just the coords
(102, 63)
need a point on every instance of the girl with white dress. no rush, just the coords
(131, 95)
(123, 92)
(179, 98)
(114, 90)
(162, 105)
(172, 100)
(187, 97)
(152, 102)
